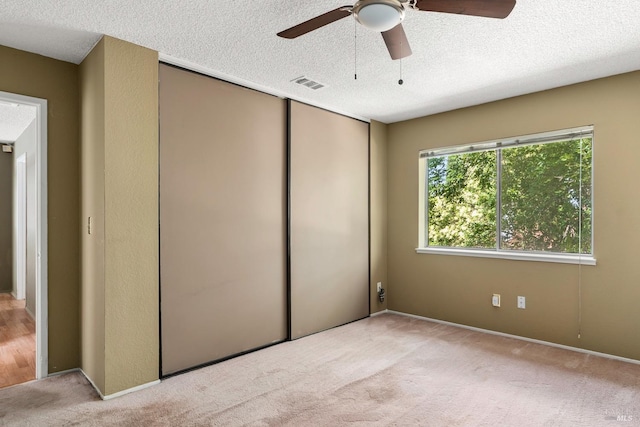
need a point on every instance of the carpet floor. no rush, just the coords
(385, 370)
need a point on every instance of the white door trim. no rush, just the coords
(42, 317)
(20, 226)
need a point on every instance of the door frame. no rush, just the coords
(42, 316)
(20, 222)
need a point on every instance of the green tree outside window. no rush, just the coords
(545, 197)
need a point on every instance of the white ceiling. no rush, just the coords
(457, 61)
(14, 119)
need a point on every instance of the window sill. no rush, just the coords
(518, 256)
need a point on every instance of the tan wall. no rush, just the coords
(92, 91)
(378, 218)
(131, 215)
(57, 82)
(6, 222)
(120, 291)
(459, 289)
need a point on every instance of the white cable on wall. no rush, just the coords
(580, 245)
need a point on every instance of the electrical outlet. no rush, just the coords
(379, 287)
(495, 300)
(521, 302)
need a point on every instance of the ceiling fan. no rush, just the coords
(385, 16)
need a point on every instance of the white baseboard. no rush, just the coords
(130, 390)
(33, 317)
(378, 313)
(502, 334)
(95, 387)
(67, 371)
(120, 393)
(14, 294)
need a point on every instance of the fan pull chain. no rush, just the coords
(355, 50)
(400, 81)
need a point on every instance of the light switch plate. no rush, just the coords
(495, 300)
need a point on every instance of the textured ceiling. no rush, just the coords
(14, 119)
(457, 61)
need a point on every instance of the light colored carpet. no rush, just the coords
(385, 370)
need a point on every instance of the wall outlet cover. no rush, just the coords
(522, 302)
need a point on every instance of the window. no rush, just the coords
(525, 198)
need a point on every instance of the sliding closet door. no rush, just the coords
(222, 219)
(329, 189)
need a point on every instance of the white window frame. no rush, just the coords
(538, 138)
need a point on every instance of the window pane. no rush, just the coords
(541, 197)
(462, 200)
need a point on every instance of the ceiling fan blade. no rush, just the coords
(397, 43)
(487, 8)
(317, 22)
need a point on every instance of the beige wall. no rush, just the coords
(120, 103)
(92, 136)
(57, 82)
(378, 215)
(6, 221)
(459, 289)
(131, 209)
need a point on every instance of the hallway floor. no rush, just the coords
(17, 342)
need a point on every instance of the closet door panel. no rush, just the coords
(222, 219)
(329, 197)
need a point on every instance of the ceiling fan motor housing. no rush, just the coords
(379, 15)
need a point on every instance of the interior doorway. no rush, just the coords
(23, 239)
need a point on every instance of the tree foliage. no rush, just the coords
(462, 200)
(543, 198)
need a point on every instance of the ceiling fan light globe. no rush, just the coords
(379, 16)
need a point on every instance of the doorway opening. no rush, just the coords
(23, 238)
